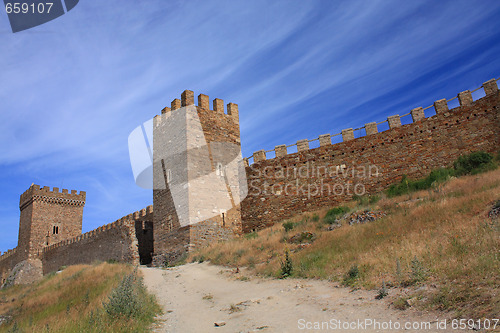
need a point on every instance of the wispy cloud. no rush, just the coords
(73, 89)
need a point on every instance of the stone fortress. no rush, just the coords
(50, 226)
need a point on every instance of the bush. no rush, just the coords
(418, 271)
(474, 163)
(252, 235)
(382, 291)
(332, 215)
(315, 218)
(286, 266)
(366, 200)
(130, 299)
(288, 225)
(401, 303)
(351, 276)
(373, 199)
(406, 186)
(468, 164)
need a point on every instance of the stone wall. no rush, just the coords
(8, 260)
(48, 217)
(330, 174)
(171, 246)
(114, 243)
(120, 240)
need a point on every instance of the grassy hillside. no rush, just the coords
(439, 245)
(84, 298)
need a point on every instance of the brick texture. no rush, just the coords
(283, 187)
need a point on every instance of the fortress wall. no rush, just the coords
(171, 246)
(8, 260)
(216, 228)
(116, 241)
(326, 176)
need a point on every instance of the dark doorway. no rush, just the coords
(144, 234)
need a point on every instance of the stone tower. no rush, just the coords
(195, 171)
(48, 217)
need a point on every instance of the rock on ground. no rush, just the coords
(25, 272)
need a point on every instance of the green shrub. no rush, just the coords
(468, 164)
(252, 235)
(418, 271)
(288, 225)
(286, 266)
(474, 163)
(401, 303)
(382, 291)
(351, 276)
(373, 199)
(315, 218)
(332, 215)
(130, 299)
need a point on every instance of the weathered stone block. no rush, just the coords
(259, 156)
(441, 106)
(347, 134)
(417, 114)
(371, 128)
(490, 87)
(187, 98)
(394, 121)
(303, 145)
(280, 150)
(203, 101)
(232, 110)
(218, 105)
(465, 98)
(325, 140)
(176, 104)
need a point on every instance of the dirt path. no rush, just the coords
(196, 296)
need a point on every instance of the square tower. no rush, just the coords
(48, 217)
(196, 169)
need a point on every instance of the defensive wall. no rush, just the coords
(119, 240)
(278, 188)
(7, 261)
(330, 174)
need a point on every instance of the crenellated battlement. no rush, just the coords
(125, 220)
(8, 254)
(417, 114)
(54, 196)
(187, 98)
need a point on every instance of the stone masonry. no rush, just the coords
(50, 226)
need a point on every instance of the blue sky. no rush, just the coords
(73, 89)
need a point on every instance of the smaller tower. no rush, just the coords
(48, 217)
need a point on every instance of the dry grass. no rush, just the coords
(69, 301)
(445, 232)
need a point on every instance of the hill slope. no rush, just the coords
(438, 248)
(73, 301)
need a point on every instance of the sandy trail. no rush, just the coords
(196, 296)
